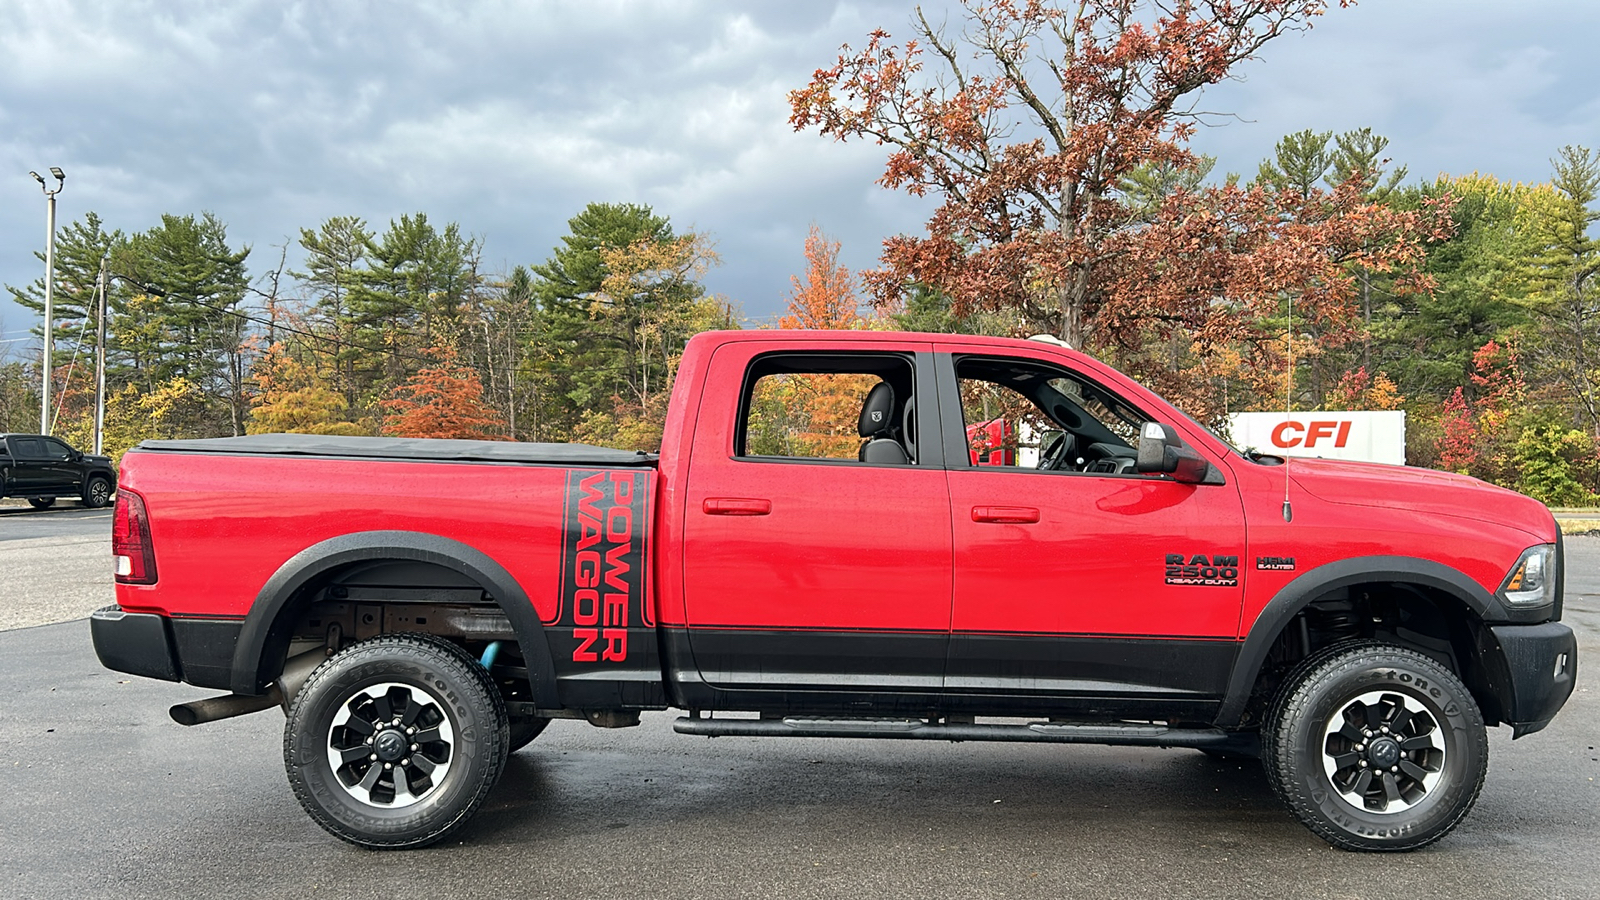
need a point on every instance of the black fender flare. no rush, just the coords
(1299, 593)
(254, 668)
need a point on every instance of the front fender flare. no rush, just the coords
(254, 667)
(1300, 592)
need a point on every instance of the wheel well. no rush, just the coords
(366, 598)
(1424, 618)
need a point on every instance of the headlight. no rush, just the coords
(1532, 581)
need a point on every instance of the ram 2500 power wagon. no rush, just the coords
(422, 608)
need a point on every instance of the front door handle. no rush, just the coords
(1005, 515)
(736, 506)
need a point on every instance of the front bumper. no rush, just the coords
(1542, 665)
(198, 651)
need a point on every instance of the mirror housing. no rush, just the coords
(1162, 452)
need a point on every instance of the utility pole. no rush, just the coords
(49, 290)
(100, 359)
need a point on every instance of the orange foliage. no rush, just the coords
(827, 298)
(441, 401)
(1358, 390)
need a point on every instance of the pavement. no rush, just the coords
(101, 795)
(55, 564)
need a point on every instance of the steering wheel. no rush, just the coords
(1057, 453)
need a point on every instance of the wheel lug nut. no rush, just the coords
(406, 761)
(1385, 729)
(373, 757)
(413, 748)
(411, 731)
(1363, 764)
(388, 765)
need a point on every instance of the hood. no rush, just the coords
(1425, 491)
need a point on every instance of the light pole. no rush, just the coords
(49, 289)
(100, 359)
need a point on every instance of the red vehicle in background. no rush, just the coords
(422, 608)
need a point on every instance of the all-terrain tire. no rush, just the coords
(420, 707)
(524, 730)
(1375, 747)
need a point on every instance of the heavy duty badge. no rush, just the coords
(1199, 569)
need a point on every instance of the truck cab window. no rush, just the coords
(856, 408)
(1021, 414)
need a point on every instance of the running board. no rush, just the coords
(920, 730)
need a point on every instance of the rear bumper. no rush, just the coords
(1542, 663)
(198, 651)
(135, 643)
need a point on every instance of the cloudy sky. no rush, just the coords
(509, 117)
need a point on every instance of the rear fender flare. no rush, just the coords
(254, 667)
(1300, 592)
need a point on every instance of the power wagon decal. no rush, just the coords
(603, 578)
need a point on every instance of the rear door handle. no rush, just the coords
(736, 506)
(1005, 515)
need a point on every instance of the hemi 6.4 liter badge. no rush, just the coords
(1199, 569)
(602, 563)
(1275, 563)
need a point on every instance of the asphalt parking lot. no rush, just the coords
(101, 795)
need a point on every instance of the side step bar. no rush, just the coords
(920, 730)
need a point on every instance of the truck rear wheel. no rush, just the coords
(524, 730)
(395, 741)
(1376, 747)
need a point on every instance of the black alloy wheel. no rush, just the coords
(41, 502)
(1376, 747)
(97, 492)
(394, 742)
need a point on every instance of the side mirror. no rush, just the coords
(1162, 452)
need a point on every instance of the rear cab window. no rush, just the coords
(849, 408)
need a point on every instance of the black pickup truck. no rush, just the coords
(39, 469)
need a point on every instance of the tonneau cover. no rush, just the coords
(409, 448)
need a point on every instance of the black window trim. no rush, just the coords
(955, 435)
(931, 454)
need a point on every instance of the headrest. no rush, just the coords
(875, 413)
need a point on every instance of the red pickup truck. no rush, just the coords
(422, 608)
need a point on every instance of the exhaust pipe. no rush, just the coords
(197, 712)
(282, 692)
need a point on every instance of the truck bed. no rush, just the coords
(338, 446)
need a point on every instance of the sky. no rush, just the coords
(510, 117)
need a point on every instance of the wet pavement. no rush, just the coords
(101, 795)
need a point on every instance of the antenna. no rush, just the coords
(1288, 403)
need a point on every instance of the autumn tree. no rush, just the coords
(826, 298)
(442, 400)
(290, 397)
(814, 414)
(650, 302)
(1028, 132)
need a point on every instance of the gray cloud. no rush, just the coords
(509, 117)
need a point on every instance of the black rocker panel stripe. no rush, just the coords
(906, 671)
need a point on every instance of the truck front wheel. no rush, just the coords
(1376, 747)
(394, 742)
